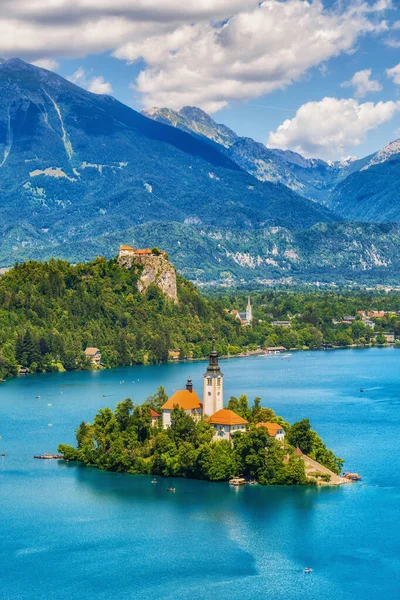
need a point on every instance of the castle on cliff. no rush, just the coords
(126, 251)
(156, 269)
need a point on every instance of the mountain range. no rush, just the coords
(359, 190)
(81, 173)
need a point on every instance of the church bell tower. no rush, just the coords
(213, 385)
(249, 312)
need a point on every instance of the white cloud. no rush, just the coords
(96, 84)
(253, 53)
(46, 63)
(208, 52)
(79, 77)
(394, 74)
(331, 127)
(362, 83)
(392, 43)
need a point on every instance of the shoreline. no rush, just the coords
(222, 357)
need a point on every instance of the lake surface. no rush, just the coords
(72, 532)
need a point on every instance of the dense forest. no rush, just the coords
(50, 312)
(125, 441)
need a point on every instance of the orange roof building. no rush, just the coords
(274, 430)
(143, 251)
(226, 423)
(187, 400)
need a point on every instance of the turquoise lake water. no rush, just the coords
(69, 532)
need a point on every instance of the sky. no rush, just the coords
(320, 77)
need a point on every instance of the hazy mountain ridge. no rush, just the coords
(332, 253)
(343, 186)
(311, 178)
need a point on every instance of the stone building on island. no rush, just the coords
(274, 430)
(213, 394)
(187, 400)
(226, 422)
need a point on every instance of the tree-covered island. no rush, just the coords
(130, 440)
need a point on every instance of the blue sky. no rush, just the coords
(273, 70)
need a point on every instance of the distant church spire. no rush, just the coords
(213, 385)
(249, 311)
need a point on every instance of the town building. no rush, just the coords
(245, 318)
(281, 323)
(389, 336)
(275, 349)
(368, 323)
(187, 400)
(213, 395)
(348, 319)
(154, 417)
(376, 314)
(226, 423)
(174, 355)
(94, 355)
(274, 430)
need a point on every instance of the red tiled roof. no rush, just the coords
(226, 417)
(143, 251)
(183, 399)
(154, 414)
(272, 428)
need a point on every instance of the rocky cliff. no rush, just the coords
(157, 270)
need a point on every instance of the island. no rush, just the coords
(183, 436)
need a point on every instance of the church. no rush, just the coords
(245, 318)
(224, 421)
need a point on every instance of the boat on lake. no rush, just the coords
(352, 476)
(237, 481)
(46, 456)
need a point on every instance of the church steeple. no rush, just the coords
(249, 311)
(213, 365)
(213, 385)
